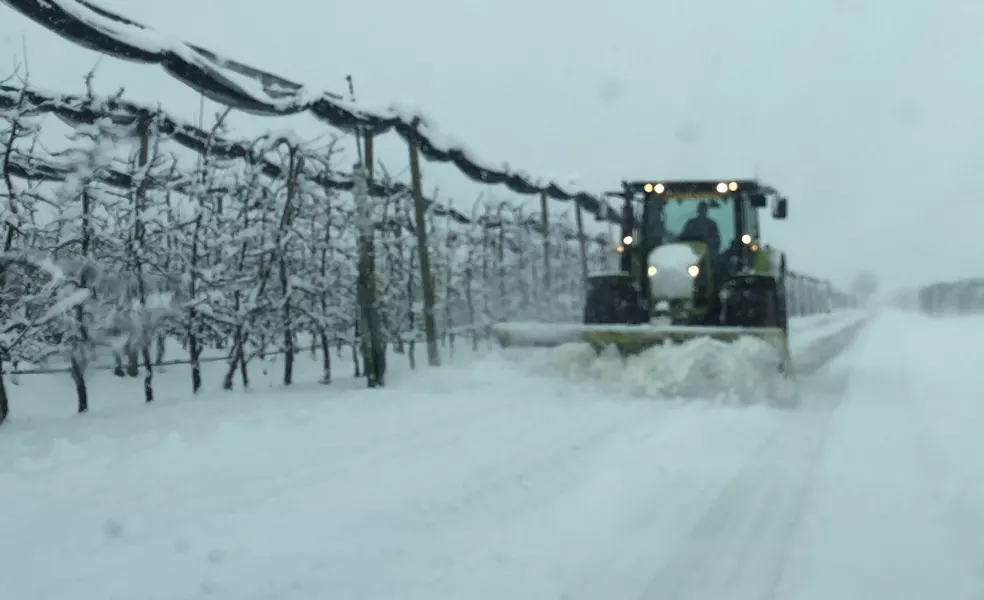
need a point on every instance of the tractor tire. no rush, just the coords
(613, 300)
(751, 301)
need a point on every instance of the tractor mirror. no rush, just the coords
(758, 200)
(781, 209)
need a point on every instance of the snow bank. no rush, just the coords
(815, 341)
(814, 327)
(744, 371)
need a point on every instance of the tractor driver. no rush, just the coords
(703, 229)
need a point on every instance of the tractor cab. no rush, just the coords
(684, 242)
(721, 216)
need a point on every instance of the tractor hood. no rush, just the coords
(676, 255)
(670, 274)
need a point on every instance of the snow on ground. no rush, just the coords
(486, 480)
(48, 397)
(897, 509)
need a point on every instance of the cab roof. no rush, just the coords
(698, 186)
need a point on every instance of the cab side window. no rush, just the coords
(750, 217)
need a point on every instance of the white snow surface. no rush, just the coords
(496, 478)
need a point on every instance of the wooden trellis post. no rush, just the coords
(423, 255)
(582, 244)
(500, 250)
(373, 347)
(545, 224)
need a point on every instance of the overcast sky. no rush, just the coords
(864, 112)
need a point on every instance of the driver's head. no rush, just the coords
(702, 209)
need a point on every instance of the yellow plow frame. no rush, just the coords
(631, 339)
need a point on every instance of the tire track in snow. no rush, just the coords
(740, 545)
(737, 549)
(550, 518)
(492, 506)
(877, 526)
(937, 452)
(432, 527)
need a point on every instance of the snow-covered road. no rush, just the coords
(495, 479)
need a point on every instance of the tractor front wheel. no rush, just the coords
(613, 300)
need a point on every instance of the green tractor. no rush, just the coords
(691, 264)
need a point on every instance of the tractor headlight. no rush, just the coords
(652, 271)
(694, 270)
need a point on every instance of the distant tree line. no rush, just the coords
(963, 296)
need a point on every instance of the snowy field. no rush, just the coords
(501, 478)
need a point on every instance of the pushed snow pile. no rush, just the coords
(744, 371)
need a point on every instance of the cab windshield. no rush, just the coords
(678, 213)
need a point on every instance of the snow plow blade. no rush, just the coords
(628, 337)
(631, 339)
(637, 338)
(537, 335)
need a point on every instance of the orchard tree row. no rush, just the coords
(127, 244)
